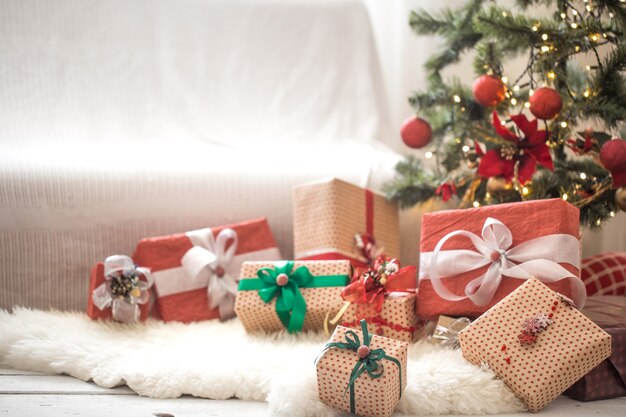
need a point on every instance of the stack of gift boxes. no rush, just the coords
(500, 282)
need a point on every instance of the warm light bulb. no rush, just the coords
(505, 80)
(588, 68)
(534, 28)
(544, 36)
(457, 99)
(565, 196)
(563, 15)
(577, 48)
(531, 92)
(586, 93)
(574, 12)
(611, 15)
(598, 222)
(504, 14)
(457, 140)
(612, 214)
(428, 155)
(588, 7)
(545, 48)
(516, 88)
(594, 37)
(583, 176)
(563, 124)
(525, 191)
(465, 148)
(551, 75)
(476, 204)
(502, 122)
(574, 25)
(462, 108)
(527, 105)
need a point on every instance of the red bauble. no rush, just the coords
(546, 103)
(416, 132)
(488, 90)
(613, 157)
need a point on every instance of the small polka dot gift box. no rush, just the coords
(472, 258)
(289, 295)
(196, 273)
(537, 342)
(383, 295)
(334, 219)
(361, 373)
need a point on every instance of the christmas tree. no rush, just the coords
(549, 130)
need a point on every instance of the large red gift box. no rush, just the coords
(196, 269)
(470, 259)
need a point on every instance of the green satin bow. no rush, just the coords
(370, 363)
(290, 304)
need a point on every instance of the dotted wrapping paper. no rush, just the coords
(256, 315)
(373, 397)
(397, 319)
(537, 342)
(328, 214)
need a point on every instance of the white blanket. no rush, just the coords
(219, 360)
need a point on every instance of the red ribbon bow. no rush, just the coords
(371, 285)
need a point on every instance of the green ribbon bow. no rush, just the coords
(370, 363)
(290, 304)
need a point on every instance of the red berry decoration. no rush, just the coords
(416, 132)
(613, 157)
(488, 90)
(546, 103)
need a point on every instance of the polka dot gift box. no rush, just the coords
(472, 258)
(289, 295)
(383, 295)
(333, 219)
(537, 342)
(361, 373)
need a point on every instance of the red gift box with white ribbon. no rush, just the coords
(196, 273)
(470, 259)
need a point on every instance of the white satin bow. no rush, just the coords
(123, 309)
(538, 258)
(207, 261)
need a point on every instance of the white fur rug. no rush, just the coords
(219, 360)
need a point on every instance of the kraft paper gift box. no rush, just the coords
(537, 342)
(470, 259)
(337, 220)
(384, 296)
(196, 273)
(289, 295)
(119, 290)
(361, 373)
(607, 380)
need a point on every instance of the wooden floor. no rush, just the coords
(25, 394)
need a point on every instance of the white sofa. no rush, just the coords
(122, 119)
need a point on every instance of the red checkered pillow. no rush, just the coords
(605, 274)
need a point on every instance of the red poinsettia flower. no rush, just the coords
(528, 151)
(446, 190)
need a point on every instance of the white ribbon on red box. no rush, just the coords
(536, 258)
(211, 263)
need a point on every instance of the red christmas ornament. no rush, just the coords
(416, 132)
(488, 90)
(613, 157)
(546, 103)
